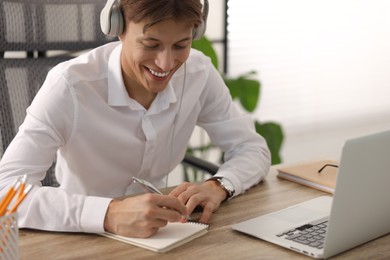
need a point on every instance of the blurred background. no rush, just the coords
(323, 67)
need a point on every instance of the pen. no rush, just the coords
(147, 185)
(151, 188)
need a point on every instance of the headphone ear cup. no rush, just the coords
(116, 21)
(111, 19)
(199, 31)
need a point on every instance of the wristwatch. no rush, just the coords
(226, 185)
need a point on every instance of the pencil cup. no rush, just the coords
(9, 236)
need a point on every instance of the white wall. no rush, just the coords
(324, 68)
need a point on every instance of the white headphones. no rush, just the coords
(112, 21)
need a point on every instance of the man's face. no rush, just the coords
(150, 58)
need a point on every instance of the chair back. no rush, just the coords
(46, 25)
(36, 35)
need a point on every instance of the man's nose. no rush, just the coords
(165, 60)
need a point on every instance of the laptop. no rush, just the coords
(358, 212)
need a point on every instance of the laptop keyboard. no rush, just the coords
(309, 234)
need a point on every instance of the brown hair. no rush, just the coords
(157, 10)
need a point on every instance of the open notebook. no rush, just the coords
(168, 237)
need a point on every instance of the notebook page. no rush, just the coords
(167, 238)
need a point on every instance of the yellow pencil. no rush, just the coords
(9, 196)
(8, 193)
(20, 199)
(22, 186)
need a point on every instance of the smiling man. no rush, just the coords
(151, 56)
(128, 109)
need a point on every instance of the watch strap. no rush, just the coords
(221, 181)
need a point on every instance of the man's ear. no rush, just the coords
(122, 35)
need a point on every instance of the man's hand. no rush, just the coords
(143, 215)
(209, 195)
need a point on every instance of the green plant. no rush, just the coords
(246, 89)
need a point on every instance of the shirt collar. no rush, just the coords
(118, 96)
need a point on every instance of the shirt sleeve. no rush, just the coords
(246, 154)
(47, 126)
(54, 209)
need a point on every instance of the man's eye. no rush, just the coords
(155, 46)
(180, 47)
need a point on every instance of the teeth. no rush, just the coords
(159, 74)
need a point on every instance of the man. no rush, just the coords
(127, 109)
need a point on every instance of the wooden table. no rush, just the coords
(221, 242)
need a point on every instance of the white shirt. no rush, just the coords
(103, 138)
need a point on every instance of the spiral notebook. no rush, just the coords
(173, 235)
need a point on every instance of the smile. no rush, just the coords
(159, 74)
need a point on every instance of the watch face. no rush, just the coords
(227, 184)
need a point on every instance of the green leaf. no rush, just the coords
(273, 134)
(205, 46)
(234, 87)
(249, 93)
(246, 90)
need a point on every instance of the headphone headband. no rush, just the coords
(201, 30)
(112, 21)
